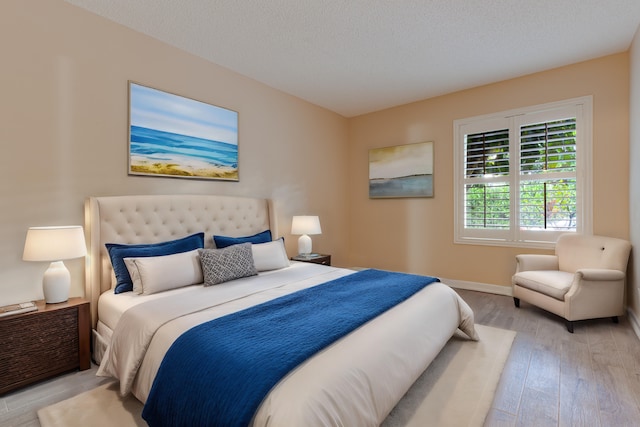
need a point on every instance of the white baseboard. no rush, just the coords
(480, 287)
(470, 286)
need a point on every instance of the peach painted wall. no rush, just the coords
(416, 235)
(63, 103)
(64, 132)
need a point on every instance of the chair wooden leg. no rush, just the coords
(615, 319)
(570, 326)
(516, 301)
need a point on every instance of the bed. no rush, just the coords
(355, 380)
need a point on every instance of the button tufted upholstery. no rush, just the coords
(151, 219)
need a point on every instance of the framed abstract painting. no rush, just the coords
(401, 171)
(174, 136)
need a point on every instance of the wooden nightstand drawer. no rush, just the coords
(44, 343)
(315, 258)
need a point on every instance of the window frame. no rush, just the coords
(582, 109)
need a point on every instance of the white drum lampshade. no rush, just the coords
(55, 244)
(304, 225)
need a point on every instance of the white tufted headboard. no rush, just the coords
(150, 219)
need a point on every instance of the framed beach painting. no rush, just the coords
(174, 136)
(401, 171)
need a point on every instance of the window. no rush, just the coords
(522, 177)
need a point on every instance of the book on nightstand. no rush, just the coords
(24, 307)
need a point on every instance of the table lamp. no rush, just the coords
(55, 244)
(305, 225)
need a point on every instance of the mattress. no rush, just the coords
(362, 376)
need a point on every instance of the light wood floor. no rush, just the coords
(18, 409)
(552, 378)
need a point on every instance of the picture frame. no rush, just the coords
(401, 171)
(174, 136)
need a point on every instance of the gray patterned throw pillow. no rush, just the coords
(222, 265)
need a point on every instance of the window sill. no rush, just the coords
(505, 243)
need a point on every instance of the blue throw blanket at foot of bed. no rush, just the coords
(218, 373)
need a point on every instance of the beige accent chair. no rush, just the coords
(585, 279)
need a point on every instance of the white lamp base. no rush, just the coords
(56, 283)
(304, 245)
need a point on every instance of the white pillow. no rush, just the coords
(270, 255)
(162, 273)
(132, 268)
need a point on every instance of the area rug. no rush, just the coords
(456, 390)
(458, 387)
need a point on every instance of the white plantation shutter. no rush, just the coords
(548, 175)
(548, 146)
(487, 153)
(487, 180)
(522, 177)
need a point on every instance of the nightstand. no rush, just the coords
(44, 343)
(314, 258)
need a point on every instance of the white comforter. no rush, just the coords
(356, 381)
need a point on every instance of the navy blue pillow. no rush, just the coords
(117, 253)
(224, 241)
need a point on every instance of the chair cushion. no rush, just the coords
(552, 283)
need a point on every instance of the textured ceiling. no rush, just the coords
(359, 56)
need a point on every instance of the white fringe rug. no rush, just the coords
(456, 390)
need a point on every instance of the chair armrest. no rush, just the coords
(529, 262)
(599, 274)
